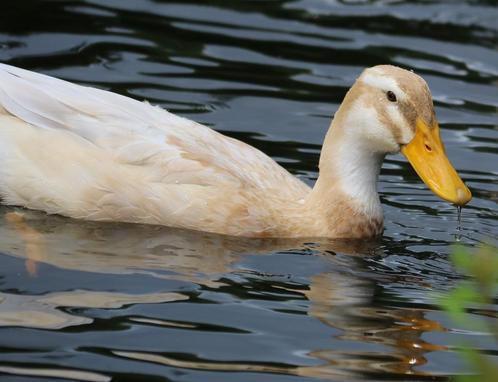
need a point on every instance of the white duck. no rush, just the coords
(91, 154)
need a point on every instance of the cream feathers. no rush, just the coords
(91, 154)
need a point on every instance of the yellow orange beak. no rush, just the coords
(427, 156)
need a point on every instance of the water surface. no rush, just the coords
(98, 302)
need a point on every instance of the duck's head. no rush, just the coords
(392, 111)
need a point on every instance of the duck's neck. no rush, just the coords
(345, 194)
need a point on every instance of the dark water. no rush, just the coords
(99, 302)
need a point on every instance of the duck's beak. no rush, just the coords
(427, 156)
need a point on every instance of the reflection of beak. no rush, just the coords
(427, 156)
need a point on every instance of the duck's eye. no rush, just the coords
(391, 96)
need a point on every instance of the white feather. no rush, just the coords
(376, 78)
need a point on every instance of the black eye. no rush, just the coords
(391, 96)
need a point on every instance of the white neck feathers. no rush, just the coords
(350, 162)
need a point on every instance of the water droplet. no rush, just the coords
(458, 234)
(459, 212)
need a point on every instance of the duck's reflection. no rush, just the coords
(338, 299)
(346, 305)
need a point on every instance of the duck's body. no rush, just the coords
(91, 154)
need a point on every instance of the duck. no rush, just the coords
(87, 153)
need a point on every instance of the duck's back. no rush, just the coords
(88, 153)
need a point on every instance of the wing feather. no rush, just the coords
(168, 148)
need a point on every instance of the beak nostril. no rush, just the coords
(427, 147)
